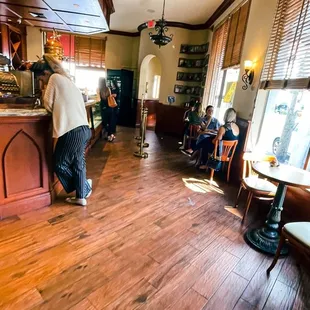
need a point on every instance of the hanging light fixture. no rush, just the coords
(160, 38)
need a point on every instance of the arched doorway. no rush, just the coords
(150, 76)
(149, 86)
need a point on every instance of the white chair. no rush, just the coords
(258, 188)
(298, 235)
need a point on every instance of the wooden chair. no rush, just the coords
(258, 188)
(228, 151)
(193, 134)
(298, 235)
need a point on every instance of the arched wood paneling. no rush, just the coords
(21, 163)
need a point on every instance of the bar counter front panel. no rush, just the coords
(26, 146)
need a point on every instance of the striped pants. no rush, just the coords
(69, 161)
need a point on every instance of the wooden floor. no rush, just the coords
(155, 235)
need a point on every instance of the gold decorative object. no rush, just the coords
(54, 47)
(8, 83)
(142, 144)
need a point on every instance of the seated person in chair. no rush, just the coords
(209, 126)
(191, 117)
(229, 131)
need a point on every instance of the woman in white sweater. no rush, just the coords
(70, 126)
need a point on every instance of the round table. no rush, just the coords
(266, 238)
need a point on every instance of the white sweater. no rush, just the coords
(65, 101)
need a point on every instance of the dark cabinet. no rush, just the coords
(126, 105)
(13, 43)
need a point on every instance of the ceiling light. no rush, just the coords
(9, 20)
(160, 38)
(76, 5)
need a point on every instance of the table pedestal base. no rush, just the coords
(260, 241)
(267, 238)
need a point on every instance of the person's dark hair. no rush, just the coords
(196, 105)
(49, 63)
(40, 66)
(103, 89)
(102, 83)
(209, 107)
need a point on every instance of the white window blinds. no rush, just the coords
(215, 73)
(287, 63)
(236, 33)
(89, 52)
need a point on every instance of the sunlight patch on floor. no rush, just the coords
(202, 186)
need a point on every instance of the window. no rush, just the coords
(89, 52)
(226, 49)
(285, 130)
(289, 139)
(236, 34)
(226, 97)
(69, 67)
(87, 78)
(215, 74)
(287, 64)
(84, 60)
(156, 86)
(84, 51)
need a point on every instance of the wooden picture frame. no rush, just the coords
(194, 49)
(187, 90)
(189, 76)
(191, 63)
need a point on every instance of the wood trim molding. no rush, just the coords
(207, 25)
(219, 11)
(177, 25)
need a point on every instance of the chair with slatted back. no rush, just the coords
(193, 134)
(258, 188)
(296, 234)
(228, 151)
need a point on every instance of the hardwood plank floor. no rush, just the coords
(155, 235)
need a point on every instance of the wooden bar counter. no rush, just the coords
(25, 153)
(27, 181)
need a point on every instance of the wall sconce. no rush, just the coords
(248, 76)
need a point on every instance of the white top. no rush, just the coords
(65, 101)
(284, 174)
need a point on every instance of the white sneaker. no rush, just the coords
(77, 201)
(90, 182)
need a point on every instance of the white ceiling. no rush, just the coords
(129, 14)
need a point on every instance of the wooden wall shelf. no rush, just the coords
(194, 49)
(189, 77)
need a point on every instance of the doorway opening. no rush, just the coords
(149, 87)
(150, 76)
